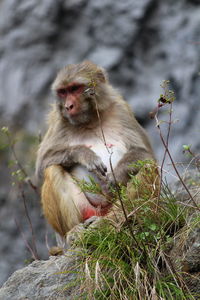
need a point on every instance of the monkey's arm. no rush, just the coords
(128, 164)
(69, 156)
(137, 145)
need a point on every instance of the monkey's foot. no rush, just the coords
(56, 251)
(97, 200)
(91, 220)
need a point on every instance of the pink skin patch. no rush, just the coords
(109, 145)
(90, 212)
(73, 88)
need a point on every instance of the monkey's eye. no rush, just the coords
(62, 92)
(74, 88)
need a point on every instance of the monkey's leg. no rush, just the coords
(59, 205)
(64, 205)
(100, 200)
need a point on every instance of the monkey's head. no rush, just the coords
(81, 90)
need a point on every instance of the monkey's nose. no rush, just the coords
(69, 107)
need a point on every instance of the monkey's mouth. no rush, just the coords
(79, 119)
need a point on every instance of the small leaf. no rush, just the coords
(186, 147)
(5, 129)
(153, 227)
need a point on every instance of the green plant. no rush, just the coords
(118, 267)
(12, 144)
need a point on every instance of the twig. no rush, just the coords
(168, 98)
(123, 208)
(167, 144)
(175, 168)
(30, 224)
(12, 147)
(25, 240)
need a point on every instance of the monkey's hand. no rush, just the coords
(121, 174)
(130, 164)
(117, 177)
(88, 158)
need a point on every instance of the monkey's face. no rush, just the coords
(75, 103)
(78, 88)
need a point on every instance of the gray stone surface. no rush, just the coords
(51, 279)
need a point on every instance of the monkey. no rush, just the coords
(92, 131)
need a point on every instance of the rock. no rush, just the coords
(57, 278)
(51, 279)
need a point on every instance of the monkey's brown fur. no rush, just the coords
(75, 143)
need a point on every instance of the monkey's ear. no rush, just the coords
(102, 75)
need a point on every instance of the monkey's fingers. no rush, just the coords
(111, 181)
(101, 168)
(98, 166)
(106, 187)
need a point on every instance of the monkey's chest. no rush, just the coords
(110, 153)
(110, 148)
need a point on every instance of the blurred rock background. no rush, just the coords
(140, 43)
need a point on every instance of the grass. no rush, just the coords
(118, 266)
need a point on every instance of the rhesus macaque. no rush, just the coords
(91, 131)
